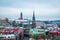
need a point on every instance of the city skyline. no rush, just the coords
(44, 9)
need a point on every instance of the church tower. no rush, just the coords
(33, 21)
(21, 16)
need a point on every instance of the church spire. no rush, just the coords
(33, 21)
(33, 16)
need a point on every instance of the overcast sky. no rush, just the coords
(44, 9)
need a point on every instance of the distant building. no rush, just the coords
(40, 24)
(10, 33)
(25, 23)
(7, 37)
(3, 22)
